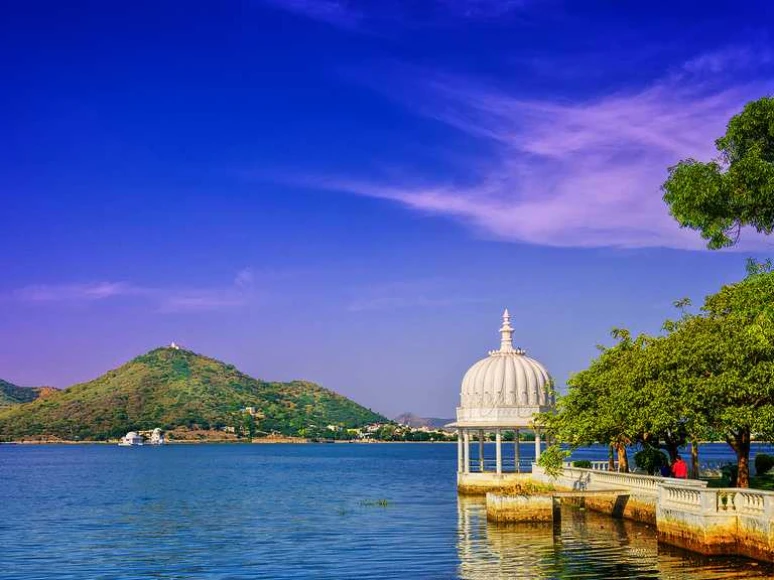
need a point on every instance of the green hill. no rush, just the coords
(178, 389)
(11, 394)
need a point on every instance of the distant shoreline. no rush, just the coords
(224, 441)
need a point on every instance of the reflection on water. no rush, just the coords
(585, 545)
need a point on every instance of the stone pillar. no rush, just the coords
(517, 454)
(498, 452)
(537, 445)
(481, 450)
(460, 452)
(466, 450)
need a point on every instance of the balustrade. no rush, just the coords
(725, 500)
(680, 496)
(508, 465)
(752, 502)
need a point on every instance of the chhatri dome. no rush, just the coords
(502, 392)
(504, 389)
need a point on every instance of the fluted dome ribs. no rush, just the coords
(507, 383)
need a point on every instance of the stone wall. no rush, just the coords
(520, 508)
(717, 521)
(639, 505)
(686, 513)
(483, 482)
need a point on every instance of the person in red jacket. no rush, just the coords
(680, 468)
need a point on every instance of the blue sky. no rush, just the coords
(351, 192)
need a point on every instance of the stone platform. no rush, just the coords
(482, 483)
(686, 513)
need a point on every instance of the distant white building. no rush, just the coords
(131, 439)
(174, 346)
(157, 437)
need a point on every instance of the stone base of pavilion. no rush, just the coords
(483, 483)
(481, 475)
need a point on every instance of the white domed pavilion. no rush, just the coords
(502, 392)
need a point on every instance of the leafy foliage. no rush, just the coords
(650, 459)
(727, 356)
(710, 374)
(11, 394)
(552, 460)
(720, 197)
(763, 463)
(529, 487)
(729, 475)
(171, 389)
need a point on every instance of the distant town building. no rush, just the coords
(131, 439)
(157, 437)
(174, 346)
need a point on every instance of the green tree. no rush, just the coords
(725, 357)
(633, 393)
(598, 406)
(720, 197)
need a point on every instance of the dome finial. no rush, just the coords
(506, 333)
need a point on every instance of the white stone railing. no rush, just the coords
(595, 465)
(508, 465)
(745, 502)
(581, 478)
(677, 495)
(643, 483)
(754, 502)
(691, 517)
(686, 512)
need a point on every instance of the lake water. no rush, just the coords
(296, 511)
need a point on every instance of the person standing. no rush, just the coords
(680, 468)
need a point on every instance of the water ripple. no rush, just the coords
(317, 511)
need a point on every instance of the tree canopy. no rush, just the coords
(711, 372)
(720, 197)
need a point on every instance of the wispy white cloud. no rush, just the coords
(482, 8)
(357, 16)
(406, 294)
(334, 12)
(729, 58)
(80, 292)
(563, 173)
(172, 299)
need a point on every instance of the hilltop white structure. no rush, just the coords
(502, 392)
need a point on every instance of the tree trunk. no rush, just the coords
(694, 459)
(623, 459)
(672, 449)
(740, 443)
(611, 458)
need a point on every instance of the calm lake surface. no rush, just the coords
(297, 511)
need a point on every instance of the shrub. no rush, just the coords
(763, 463)
(730, 472)
(529, 488)
(584, 463)
(552, 460)
(650, 459)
